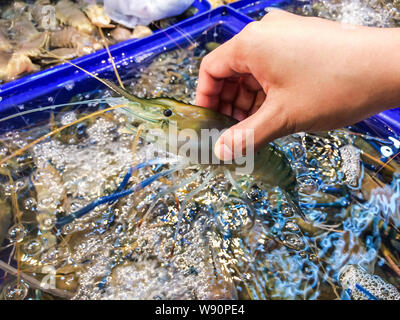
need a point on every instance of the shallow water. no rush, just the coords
(235, 239)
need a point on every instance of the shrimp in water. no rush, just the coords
(270, 165)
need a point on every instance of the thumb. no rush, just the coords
(265, 125)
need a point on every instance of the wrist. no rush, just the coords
(383, 49)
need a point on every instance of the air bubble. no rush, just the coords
(15, 291)
(297, 151)
(307, 185)
(32, 247)
(30, 204)
(68, 118)
(293, 241)
(288, 211)
(386, 151)
(291, 226)
(17, 233)
(46, 221)
(69, 85)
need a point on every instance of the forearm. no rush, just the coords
(381, 53)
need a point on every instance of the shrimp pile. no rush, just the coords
(217, 3)
(34, 36)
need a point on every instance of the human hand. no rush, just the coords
(287, 74)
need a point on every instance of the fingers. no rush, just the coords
(225, 108)
(246, 95)
(229, 91)
(265, 125)
(258, 101)
(226, 95)
(218, 72)
(237, 97)
(239, 114)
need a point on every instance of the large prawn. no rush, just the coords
(271, 167)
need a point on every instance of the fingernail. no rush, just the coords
(223, 152)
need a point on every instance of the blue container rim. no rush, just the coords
(249, 7)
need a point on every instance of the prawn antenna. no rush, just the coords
(111, 58)
(103, 81)
(107, 83)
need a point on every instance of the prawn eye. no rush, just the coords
(167, 112)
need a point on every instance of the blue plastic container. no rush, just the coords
(389, 121)
(61, 83)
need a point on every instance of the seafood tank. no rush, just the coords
(87, 214)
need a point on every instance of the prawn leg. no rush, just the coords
(116, 195)
(188, 198)
(169, 190)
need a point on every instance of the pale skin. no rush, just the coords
(287, 74)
